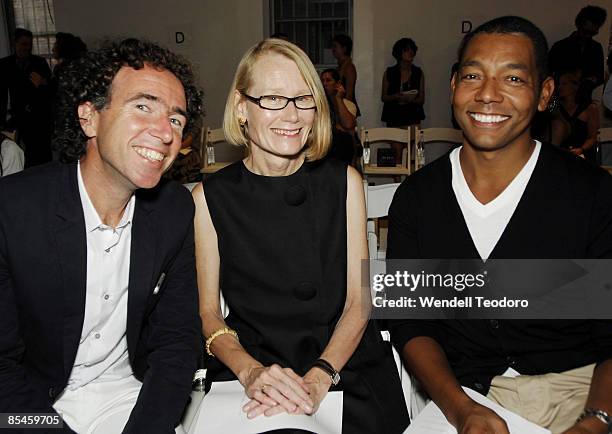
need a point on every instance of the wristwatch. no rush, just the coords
(599, 414)
(325, 366)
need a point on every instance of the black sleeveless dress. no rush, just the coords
(394, 113)
(282, 244)
(578, 132)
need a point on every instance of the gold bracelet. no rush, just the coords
(216, 334)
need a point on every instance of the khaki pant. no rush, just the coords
(553, 401)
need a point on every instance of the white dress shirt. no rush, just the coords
(487, 222)
(102, 354)
(12, 157)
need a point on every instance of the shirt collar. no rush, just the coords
(92, 219)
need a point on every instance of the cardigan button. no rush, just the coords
(295, 195)
(305, 291)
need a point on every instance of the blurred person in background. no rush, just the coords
(342, 49)
(26, 78)
(403, 91)
(343, 117)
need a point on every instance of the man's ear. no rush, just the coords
(546, 92)
(453, 83)
(88, 118)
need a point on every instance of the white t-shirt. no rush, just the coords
(12, 157)
(487, 222)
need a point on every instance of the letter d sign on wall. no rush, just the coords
(179, 37)
(466, 26)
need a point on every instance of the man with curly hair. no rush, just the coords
(98, 296)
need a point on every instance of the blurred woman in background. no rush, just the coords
(342, 48)
(403, 91)
(343, 117)
(575, 122)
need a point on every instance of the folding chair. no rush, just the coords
(437, 141)
(370, 136)
(216, 152)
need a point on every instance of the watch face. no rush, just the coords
(335, 379)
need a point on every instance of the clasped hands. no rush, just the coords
(274, 390)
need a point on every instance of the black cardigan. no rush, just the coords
(564, 213)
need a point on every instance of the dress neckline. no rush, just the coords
(246, 170)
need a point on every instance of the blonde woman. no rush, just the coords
(282, 233)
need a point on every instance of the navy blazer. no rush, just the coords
(43, 254)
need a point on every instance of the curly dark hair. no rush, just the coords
(401, 45)
(89, 79)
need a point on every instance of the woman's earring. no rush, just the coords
(552, 104)
(242, 122)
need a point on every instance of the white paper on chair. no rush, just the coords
(432, 421)
(221, 413)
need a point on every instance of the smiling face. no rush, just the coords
(496, 91)
(280, 133)
(135, 139)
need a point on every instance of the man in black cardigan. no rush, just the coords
(504, 195)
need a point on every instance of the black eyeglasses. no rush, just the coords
(278, 102)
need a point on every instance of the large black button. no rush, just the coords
(52, 392)
(511, 361)
(494, 323)
(295, 195)
(305, 291)
(478, 386)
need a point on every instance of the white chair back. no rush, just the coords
(378, 200)
(371, 138)
(190, 185)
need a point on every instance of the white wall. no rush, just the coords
(435, 25)
(217, 33)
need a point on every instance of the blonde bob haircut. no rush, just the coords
(319, 139)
